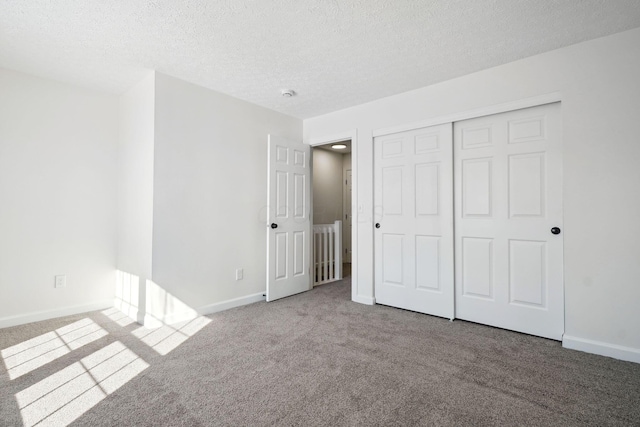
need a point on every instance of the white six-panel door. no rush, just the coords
(508, 197)
(288, 222)
(414, 209)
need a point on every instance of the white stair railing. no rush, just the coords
(327, 252)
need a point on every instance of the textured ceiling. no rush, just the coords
(333, 53)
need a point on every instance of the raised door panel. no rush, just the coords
(428, 263)
(299, 159)
(527, 273)
(299, 247)
(299, 195)
(426, 143)
(392, 190)
(392, 148)
(477, 137)
(393, 259)
(477, 267)
(282, 194)
(282, 155)
(528, 129)
(477, 190)
(282, 255)
(427, 188)
(527, 186)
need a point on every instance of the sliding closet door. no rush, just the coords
(508, 221)
(413, 181)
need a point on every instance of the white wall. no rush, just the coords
(135, 195)
(210, 192)
(327, 186)
(58, 148)
(598, 81)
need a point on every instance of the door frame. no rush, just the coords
(535, 101)
(353, 136)
(344, 210)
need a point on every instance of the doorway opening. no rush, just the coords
(331, 184)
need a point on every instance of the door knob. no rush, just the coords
(555, 230)
(274, 225)
(377, 225)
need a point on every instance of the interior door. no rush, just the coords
(509, 263)
(288, 222)
(413, 185)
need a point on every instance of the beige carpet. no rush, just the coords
(312, 359)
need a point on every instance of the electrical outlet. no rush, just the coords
(239, 274)
(61, 281)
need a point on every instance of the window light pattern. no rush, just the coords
(23, 358)
(64, 396)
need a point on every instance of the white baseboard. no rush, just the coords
(628, 354)
(37, 316)
(152, 321)
(363, 300)
(232, 303)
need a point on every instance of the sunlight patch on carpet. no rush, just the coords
(118, 316)
(23, 358)
(168, 337)
(64, 396)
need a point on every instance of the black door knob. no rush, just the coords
(377, 225)
(274, 225)
(555, 230)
